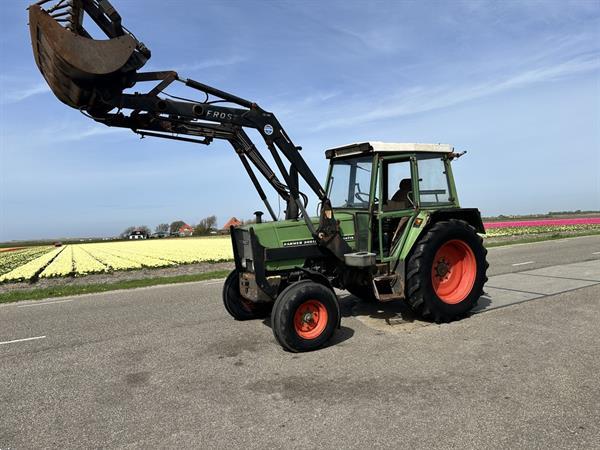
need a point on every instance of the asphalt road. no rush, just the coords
(520, 257)
(166, 367)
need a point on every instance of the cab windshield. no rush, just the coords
(350, 182)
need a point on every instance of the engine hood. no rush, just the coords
(292, 233)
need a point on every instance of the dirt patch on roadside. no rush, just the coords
(122, 275)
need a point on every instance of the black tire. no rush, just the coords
(315, 300)
(237, 306)
(421, 294)
(364, 293)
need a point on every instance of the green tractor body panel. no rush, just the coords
(413, 230)
(294, 235)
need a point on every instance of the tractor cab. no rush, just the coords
(386, 186)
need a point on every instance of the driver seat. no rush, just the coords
(401, 195)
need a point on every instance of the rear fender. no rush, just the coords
(470, 215)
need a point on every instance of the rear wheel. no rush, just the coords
(305, 316)
(446, 271)
(237, 306)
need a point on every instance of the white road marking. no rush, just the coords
(523, 263)
(22, 340)
(42, 304)
(596, 253)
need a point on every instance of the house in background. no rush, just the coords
(138, 234)
(185, 230)
(233, 222)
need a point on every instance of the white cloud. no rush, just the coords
(202, 65)
(59, 132)
(422, 98)
(210, 63)
(72, 135)
(8, 96)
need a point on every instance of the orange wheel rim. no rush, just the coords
(453, 272)
(310, 319)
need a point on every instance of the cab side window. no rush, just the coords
(433, 182)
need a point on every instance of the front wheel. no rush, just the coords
(305, 316)
(237, 306)
(446, 272)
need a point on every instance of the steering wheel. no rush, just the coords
(358, 196)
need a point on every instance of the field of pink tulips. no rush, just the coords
(521, 227)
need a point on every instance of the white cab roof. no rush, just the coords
(378, 146)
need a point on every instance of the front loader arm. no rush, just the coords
(92, 76)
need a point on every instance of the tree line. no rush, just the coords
(204, 227)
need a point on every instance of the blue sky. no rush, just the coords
(517, 84)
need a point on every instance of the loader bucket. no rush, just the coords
(83, 73)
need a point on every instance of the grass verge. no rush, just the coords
(530, 239)
(63, 291)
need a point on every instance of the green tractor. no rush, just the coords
(389, 225)
(398, 210)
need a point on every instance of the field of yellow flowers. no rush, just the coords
(83, 259)
(32, 263)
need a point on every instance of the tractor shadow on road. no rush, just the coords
(392, 313)
(341, 335)
(393, 316)
(483, 303)
(389, 316)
